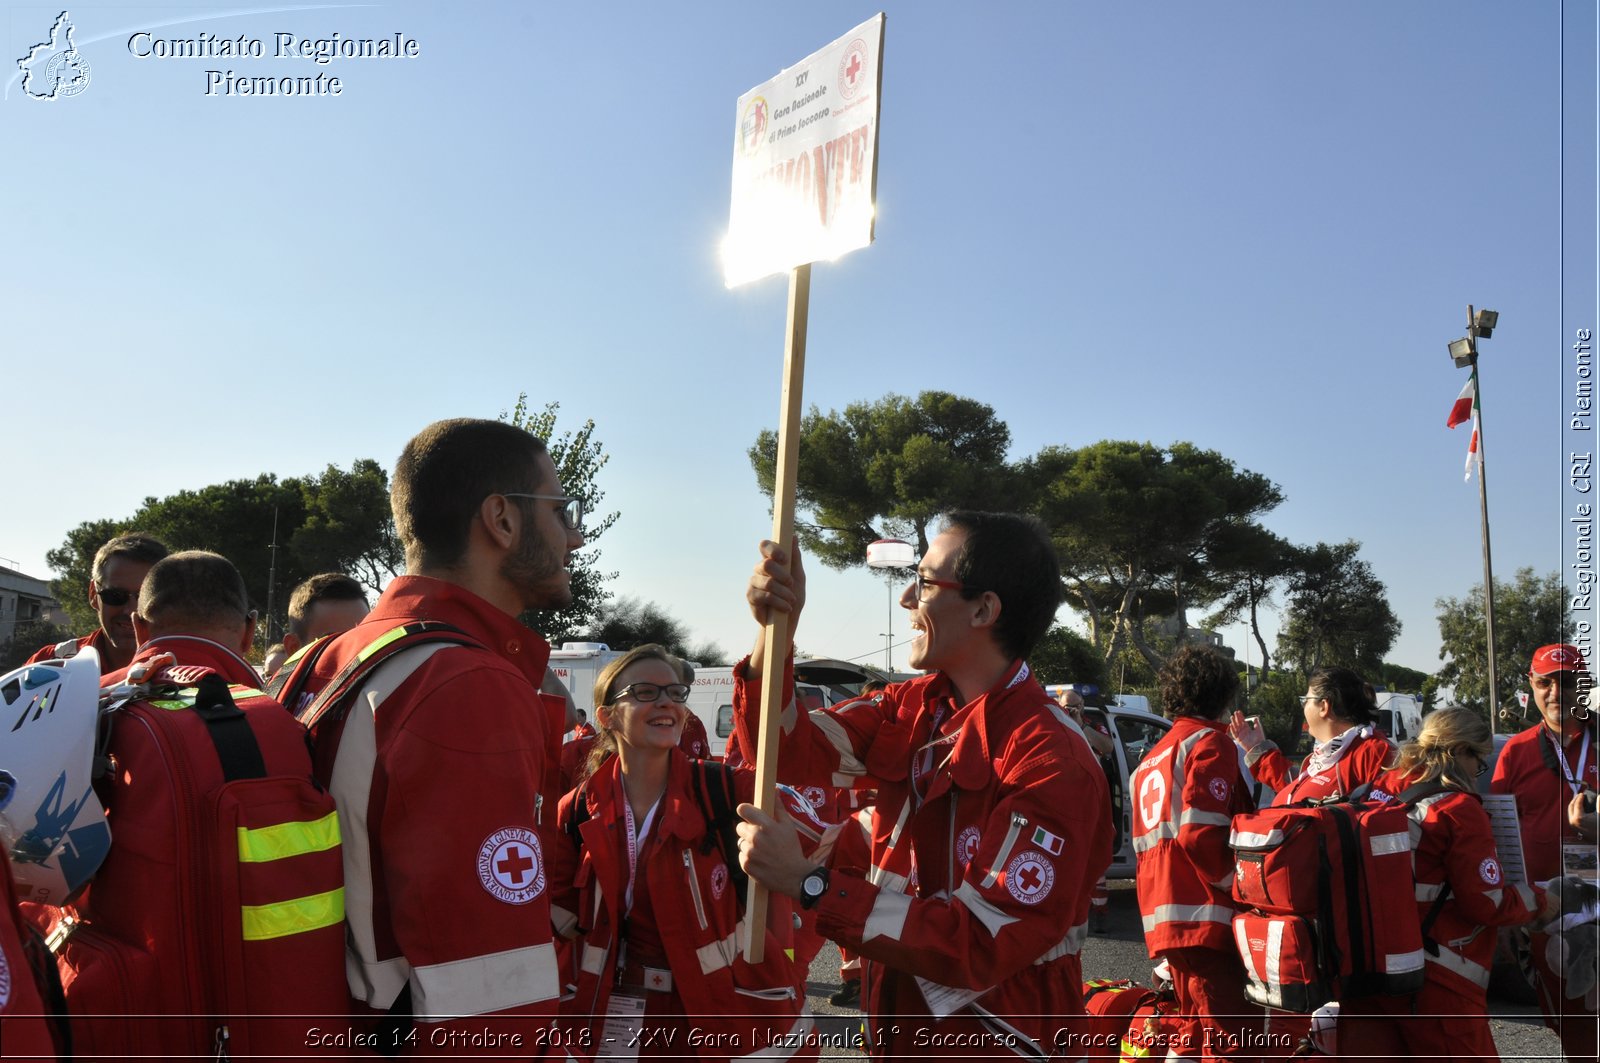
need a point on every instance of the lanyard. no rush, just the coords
(922, 764)
(1575, 781)
(634, 844)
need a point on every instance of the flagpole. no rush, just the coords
(1483, 519)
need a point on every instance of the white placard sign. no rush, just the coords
(805, 160)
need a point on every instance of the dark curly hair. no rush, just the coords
(1198, 681)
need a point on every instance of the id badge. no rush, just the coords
(624, 1023)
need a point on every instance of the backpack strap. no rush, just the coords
(335, 697)
(230, 732)
(713, 791)
(1409, 797)
(290, 681)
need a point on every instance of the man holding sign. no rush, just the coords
(992, 822)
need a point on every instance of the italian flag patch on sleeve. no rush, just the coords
(1047, 841)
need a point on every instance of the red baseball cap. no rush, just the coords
(1561, 657)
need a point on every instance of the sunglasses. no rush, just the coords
(115, 597)
(648, 692)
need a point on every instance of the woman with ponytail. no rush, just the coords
(1342, 720)
(1461, 894)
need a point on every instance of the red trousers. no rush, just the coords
(1435, 1026)
(1217, 1022)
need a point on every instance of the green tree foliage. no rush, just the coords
(578, 459)
(1064, 656)
(1529, 612)
(1249, 565)
(28, 638)
(1338, 612)
(626, 622)
(338, 521)
(888, 469)
(1144, 532)
(1276, 699)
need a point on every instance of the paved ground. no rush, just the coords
(1519, 1032)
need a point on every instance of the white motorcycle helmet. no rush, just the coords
(52, 825)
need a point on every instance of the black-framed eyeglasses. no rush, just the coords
(924, 582)
(645, 693)
(1311, 697)
(571, 508)
(116, 597)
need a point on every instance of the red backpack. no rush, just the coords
(1330, 901)
(215, 926)
(1126, 1020)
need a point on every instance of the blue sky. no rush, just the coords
(1250, 225)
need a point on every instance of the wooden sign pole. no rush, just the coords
(779, 625)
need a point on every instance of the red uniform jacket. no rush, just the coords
(96, 641)
(986, 845)
(739, 1009)
(1365, 760)
(438, 771)
(1186, 792)
(1529, 768)
(1452, 844)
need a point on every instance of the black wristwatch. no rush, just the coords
(813, 886)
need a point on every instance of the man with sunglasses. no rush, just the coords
(117, 574)
(445, 767)
(1546, 766)
(992, 823)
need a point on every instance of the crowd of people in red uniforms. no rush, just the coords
(574, 892)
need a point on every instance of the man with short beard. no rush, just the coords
(444, 766)
(1545, 766)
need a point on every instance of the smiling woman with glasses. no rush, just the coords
(634, 853)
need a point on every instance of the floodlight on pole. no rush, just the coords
(890, 555)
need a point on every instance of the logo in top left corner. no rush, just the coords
(54, 68)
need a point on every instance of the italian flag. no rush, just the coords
(1466, 406)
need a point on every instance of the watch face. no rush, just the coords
(813, 886)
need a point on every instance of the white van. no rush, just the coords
(818, 683)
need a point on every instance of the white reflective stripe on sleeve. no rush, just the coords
(372, 981)
(719, 954)
(1070, 945)
(1190, 816)
(888, 916)
(1189, 913)
(784, 1045)
(1249, 839)
(1225, 884)
(1389, 844)
(849, 764)
(993, 919)
(1453, 961)
(1275, 958)
(565, 922)
(483, 984)
(1403, 962)
(592, 960)
(1427, 891)
(1494, 896)
(1529, 901)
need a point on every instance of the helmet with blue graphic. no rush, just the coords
(52, 825)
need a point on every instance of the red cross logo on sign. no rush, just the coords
(1029, 877)
(511, 865)
(1152, 799)
(853, 69)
